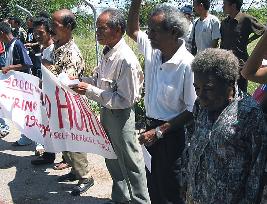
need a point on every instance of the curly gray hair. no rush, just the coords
(222, 63)
(116, 19)
(173, 19)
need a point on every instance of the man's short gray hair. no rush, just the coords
(221, 63)
(173, 19)
(116, 19)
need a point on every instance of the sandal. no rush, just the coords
(39, 152)
(61, 166)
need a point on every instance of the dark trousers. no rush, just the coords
(163, 181)
(49, 156)
(242, 83)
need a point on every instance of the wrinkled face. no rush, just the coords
(41, 35)
(156, 33)
(227, 7)
(58, 29)
(212, 92)
(105, 34)
(1, 36)
(12, 23)
(29, 23)
(197, 7)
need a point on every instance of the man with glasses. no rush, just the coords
(169, 95)
(116, 85)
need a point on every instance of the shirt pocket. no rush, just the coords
(168, 96)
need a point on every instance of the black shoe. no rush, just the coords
(67, 177)
(41, 161)
(82, 186)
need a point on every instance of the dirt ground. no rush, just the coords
(22, 183)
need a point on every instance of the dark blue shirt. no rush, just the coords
(20, 55)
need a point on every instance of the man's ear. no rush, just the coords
(1, 34)
(118, 29)
(175, 32)
(69, 26)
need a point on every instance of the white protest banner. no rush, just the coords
(68, 122)
(58, 118)
(20, 102)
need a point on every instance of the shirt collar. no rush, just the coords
(65, 46)
(9, 44)
(178, 56)
(112, 53)
(238, 16)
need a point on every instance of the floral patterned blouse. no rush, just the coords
(226, 159)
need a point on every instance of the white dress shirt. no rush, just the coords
(169, 88)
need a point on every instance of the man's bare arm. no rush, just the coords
(252, 69)
(133, 19)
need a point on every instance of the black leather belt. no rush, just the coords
(151, 122)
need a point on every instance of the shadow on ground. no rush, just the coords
(33, 185)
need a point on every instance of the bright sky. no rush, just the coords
(102, 4)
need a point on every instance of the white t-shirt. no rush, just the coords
(206, 31)
(169, 88)
(47, 53)
(188, 39)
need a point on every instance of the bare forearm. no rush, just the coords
(177, 122)
(133, 19)
(16, 67)
(214, 43)
(252, 70)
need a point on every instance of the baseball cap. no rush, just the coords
(187, 9)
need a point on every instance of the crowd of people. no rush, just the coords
(205, 133)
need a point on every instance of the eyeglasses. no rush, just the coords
(102, 29)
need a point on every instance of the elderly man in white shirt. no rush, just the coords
(116, 85)
(169, 95)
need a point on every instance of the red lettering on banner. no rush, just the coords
(75, 115)
(15, 82)
(87, 112)
(16, 103)
(28, 105)
(60, 136)
(63, 106)
(3, 96)
(21, 85)
(103, 133)
(8, 81)
(47, 104)
(88, 122)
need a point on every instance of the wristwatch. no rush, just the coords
(159, 133)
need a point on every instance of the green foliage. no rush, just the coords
(259, 13)
(146, 9)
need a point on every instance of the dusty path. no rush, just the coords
(22, 183)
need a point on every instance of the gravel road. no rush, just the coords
(22, 183)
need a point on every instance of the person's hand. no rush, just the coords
(72, 77)
(5, 69)
(148, 138)
(28, 45)
(80, 88)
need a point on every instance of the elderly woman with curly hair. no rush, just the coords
(226, 151)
